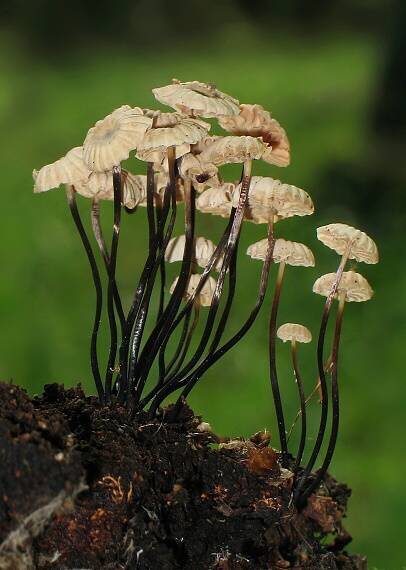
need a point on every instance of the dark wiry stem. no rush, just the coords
(155, 340)
(183, 312)
(302, 407)
(272, 368)
(70, 191)
(112, 280)
(98, 234)
(334, 403)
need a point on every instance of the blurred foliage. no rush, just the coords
(327, 74)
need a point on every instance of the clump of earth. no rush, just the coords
(91, 487)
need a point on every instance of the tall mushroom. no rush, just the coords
(297, 333)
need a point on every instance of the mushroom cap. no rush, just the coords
(195, 98)
(218, 200)
(100, 184)
(289, 252)
(110, 141)
(206, 294)
(188, 131)
(268, 196)
(200, 172)
(67, 170)
(254, 121)
(354, 285)
(342, 238)
(203, 250)
(233, 149)
(293, 331)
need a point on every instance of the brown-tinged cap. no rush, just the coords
(67, 170)
(353, 285)
(195, 98)
(343, 238)
(293, 331)
(254, 121)
(110, 141)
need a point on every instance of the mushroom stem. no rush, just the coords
(315, 389)
(169, 382)
(334, 403)
(186, 344)
(323, 384)
(272, 366)
(191, 380)
(302, 407)
(145, 276)
(70, 192)
(157, 336)
(112, 281)
(98, 234)
(228, 256)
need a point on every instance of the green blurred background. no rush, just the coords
(331, 73)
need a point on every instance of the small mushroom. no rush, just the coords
(271, 199)
(352, 287)
(254, 121)
(110, 141)
(297, 333)
(288, 252)
(203, 250)
(67, 170)
(195, 98)
(205, 296)
(349, 241)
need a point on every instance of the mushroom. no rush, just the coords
(195, 98)
(285, 253)
(203, 250)
(218, 200)
(110, 141)
(205, 296)
(67, 170)
(254, 121)
(297, 333)
(170, 130)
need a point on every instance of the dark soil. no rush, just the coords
(87, 487)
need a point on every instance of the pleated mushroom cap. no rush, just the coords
(343, 238)
(254, 121)
(268, 196)
(67, 170)
(293, 331)
(218, 200)
(195, 98)
(170, 130)
(233, 149)
(100, 184)
(203, 250)
(206, 294)
(110, 141)
(289, 252)
(354, 285)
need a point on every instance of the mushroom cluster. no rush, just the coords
(184, 176)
